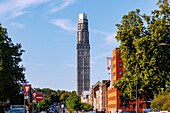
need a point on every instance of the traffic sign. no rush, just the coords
(25, 82)
(34, 94)
(39, 97)
(26, 97)
(108, 68)
(27, 88)
(34, 101)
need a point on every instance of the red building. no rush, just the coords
(114, 104)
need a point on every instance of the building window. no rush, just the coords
(120, 56)
(120, 64)
(121, 105)
(134, 105)
(140, 105)
(120, 72)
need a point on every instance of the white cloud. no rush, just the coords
(17, 25)
(14, 8)
(98, 31)
(110, 39)
(103, 55)
(65, 24)
(70, 65)
(62, 6)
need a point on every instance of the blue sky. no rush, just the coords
(47, 31)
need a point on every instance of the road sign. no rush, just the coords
(34, 101)
(39, 97)
(108, 68)
(27, 88)
(26, 97)
(34, 94)
(24, 82)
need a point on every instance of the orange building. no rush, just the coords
(114, 104)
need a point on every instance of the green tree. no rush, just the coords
(161, 102)
(11, 73)
(44, 104)
(46, 89)
(38, 89)
(64, 96)
(73, 103)
(140, 36)
(54, 97)
(73, 92)
(86, 107)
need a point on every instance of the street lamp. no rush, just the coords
(136, 89)
(163, 44)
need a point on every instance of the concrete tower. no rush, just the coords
(83, 55)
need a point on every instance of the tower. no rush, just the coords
(83, 55)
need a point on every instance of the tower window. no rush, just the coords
(82, 52)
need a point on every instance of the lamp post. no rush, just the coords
(164, 44)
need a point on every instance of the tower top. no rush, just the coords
(82, 16)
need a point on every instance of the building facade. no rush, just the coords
(85, 97)
(105, 85)
(97, 96)
(117, 73)
(114, 103)
(83, 55)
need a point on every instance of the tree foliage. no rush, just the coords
(64, 96)
(74, 104)
(140, 36)
(86, 107)
(11, 73)
(38, 89)
(161, 102)
(44, 104)
(56, 96)
(46, 89)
